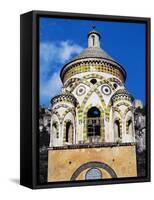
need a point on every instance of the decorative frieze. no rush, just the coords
(92, 66)
(63, 98)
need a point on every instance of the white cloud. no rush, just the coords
(47, 52)
(58, 52)
(68, 49)
(52, 86)
(52, 57)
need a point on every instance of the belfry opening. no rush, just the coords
(93, 122)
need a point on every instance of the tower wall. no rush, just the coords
(113, 162)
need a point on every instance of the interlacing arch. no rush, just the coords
(76, 82)
(123, 103)
(81, 81)
(116, 109)
(105, 82)
(57, 114)
(94, 89)
(101, 122)
(78, 106)
(111, 79)
(94, 76)
(127, 110)
(107, 112)
(86, 82)
(61, 105)
(72, 80)
(71, 110)
(101, 81)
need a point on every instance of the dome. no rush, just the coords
(122, 93)
(96, 55)
(63, 98)
(93, 52)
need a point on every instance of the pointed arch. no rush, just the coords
(71, 80)
(112, 79)
(117, 130)
(85, 121)
(72, 110)
(129, 127)
(55, 129)
(68, 130)
(93, 122)
(94, 89)
(69, 117)
(116, 109)
(117, 124)
(55, 112)
(127, 110)
(80, 81)
(105, 81)
(129, 121)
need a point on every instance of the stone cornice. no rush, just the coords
(101, 145)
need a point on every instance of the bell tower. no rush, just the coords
(94, 119)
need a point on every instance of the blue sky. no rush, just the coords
(62, 39)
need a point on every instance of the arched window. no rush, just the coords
(117, 129)
(55, 129)
(93, 174)
(69, 132)
(129, 127)
(93, 122)
(93, 40)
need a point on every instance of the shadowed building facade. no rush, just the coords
(92, 133)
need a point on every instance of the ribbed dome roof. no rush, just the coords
(65, 96)
(93, 52)
(122, 92)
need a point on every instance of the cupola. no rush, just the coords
(94, 38)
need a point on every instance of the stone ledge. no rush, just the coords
(82, 146)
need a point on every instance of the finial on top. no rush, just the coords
(93, 27)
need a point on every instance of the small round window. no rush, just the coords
(93, 174)
(106, 90)
(81, 90)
